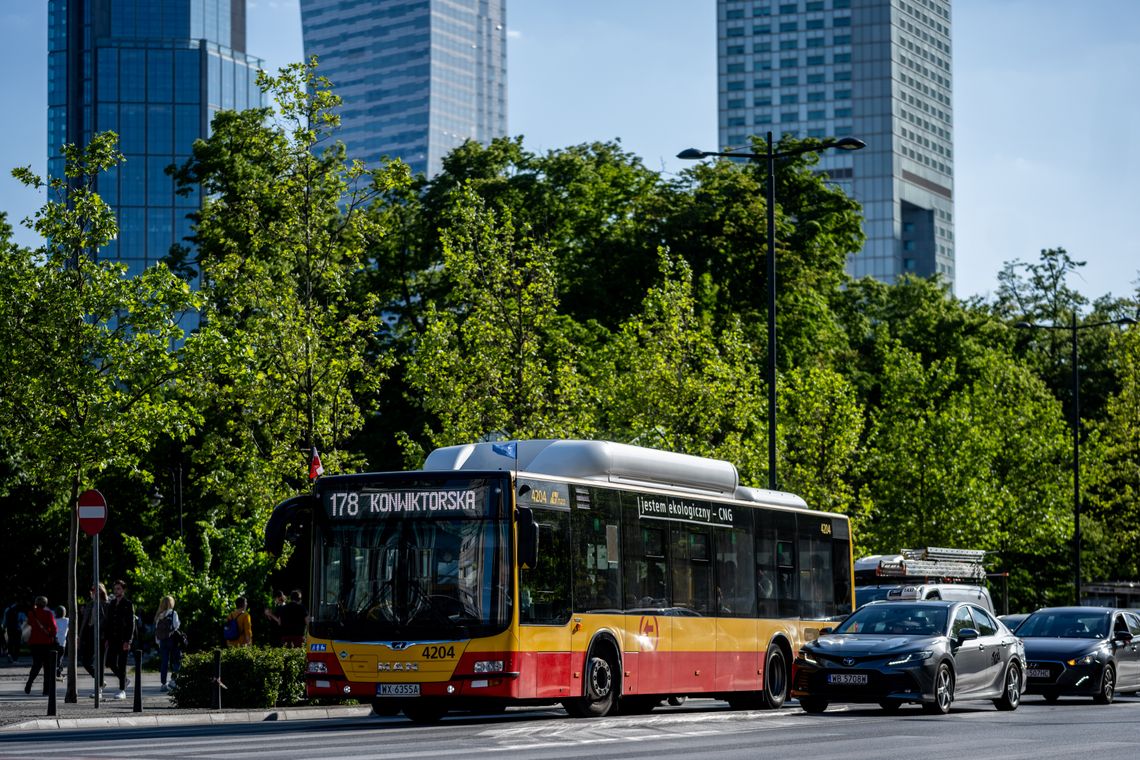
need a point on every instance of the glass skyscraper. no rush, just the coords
(878, 70)
(418, 77)
(155, 73)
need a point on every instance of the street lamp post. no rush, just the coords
(1073, 329)
(769, 157)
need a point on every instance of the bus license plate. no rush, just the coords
(848, 679)
(1037, 673)
(397, 689)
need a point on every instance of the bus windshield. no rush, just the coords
(401, 568)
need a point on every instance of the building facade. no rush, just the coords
(417, 77)
(878, 70)
(155, 73)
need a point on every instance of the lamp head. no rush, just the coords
(848, 143)
(692, 153)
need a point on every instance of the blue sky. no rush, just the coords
(1046, 110)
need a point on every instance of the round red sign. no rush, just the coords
(92, 512)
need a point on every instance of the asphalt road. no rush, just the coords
(699, 729)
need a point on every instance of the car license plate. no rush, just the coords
(397, 689)
(1038, 673)
(848, 679)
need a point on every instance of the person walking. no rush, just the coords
(96, 606)
(242, 626)
(166, 625)
(62, 623)
(14, 618)
(42, 639)
(294, 620)
(120, 634)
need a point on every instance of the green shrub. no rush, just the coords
(254, 677)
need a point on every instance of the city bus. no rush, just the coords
(601, 576)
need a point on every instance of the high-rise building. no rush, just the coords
(878, 70)
(417, 77)
(155, 73)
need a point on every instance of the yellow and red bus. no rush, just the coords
(598, 575)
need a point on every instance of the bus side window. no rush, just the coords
(544, 592)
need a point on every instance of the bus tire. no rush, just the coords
(424, 711)
(600, 688)
(775, 678)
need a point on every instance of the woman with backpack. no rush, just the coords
(169, 637)
(238, 629)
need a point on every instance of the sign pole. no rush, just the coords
(97, 641)
(92, 518)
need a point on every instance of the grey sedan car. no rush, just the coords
(928, 652)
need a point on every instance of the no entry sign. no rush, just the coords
(92, 512)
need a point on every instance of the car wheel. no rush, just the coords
(943, 691)
(676, 701)
(890, 705)
(1107, 686)
(812, 705)
(1011, 695)
(775, 678)
(600, 689)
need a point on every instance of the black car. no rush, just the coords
(1081, 651)
(929, 652)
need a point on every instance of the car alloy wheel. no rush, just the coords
(943, 691)
(1107, 686)
(1011, 695)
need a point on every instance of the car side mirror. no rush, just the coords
(1124, 637)
(967, 634)
(825, 630)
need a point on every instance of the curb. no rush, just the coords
(189, 719)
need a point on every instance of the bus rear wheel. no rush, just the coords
(600, 688)
(775, 678)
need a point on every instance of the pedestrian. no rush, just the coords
(242, 626)
(166, 624)
(14, 618)
(273, 614)
(294, 620)
(120, 634)
(96, 607)
(40, 641)
(62, 623)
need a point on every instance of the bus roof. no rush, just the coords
(609, 462)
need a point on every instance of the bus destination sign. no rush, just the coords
(364, 505)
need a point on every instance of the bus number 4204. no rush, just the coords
(438, 652)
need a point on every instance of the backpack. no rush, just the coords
(163, 628)
(230, 630)
(178, 636)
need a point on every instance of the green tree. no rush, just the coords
(87, 353)
(284, 360)
(501, 361)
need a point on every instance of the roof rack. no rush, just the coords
(935, 562)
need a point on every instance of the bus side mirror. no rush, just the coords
(528, 538)
(287, 521)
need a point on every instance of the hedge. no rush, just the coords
(254, 678)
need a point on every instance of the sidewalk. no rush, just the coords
(19, 711)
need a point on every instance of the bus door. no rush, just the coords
(694, 624)
(647, 653)
(545, 598)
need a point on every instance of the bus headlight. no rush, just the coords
(488, 666)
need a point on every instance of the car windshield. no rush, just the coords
(1066, 624)
(896, 620)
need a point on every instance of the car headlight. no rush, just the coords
(911, 658)
(808, 656)
(1088, 659)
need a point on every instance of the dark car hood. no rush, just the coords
(1054, 648)
(842, 644)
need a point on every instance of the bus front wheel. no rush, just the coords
(600, 688)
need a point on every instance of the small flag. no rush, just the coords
(316, 469)
(509, 449)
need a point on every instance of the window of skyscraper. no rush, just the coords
(815, 42)
(762, 47)
(789, 63)
(762, 29)
(841, 21)
(791, 44)
(734, 50)
(789, 98)
(789, 116)
(789, 26)
(813, 23)
(841, 39)
(789, 8)
(789, 81)
(815, 60)
(816, 97)
(815, 78)
(841, 58)
(816, 115)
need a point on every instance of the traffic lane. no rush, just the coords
(701, 728)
